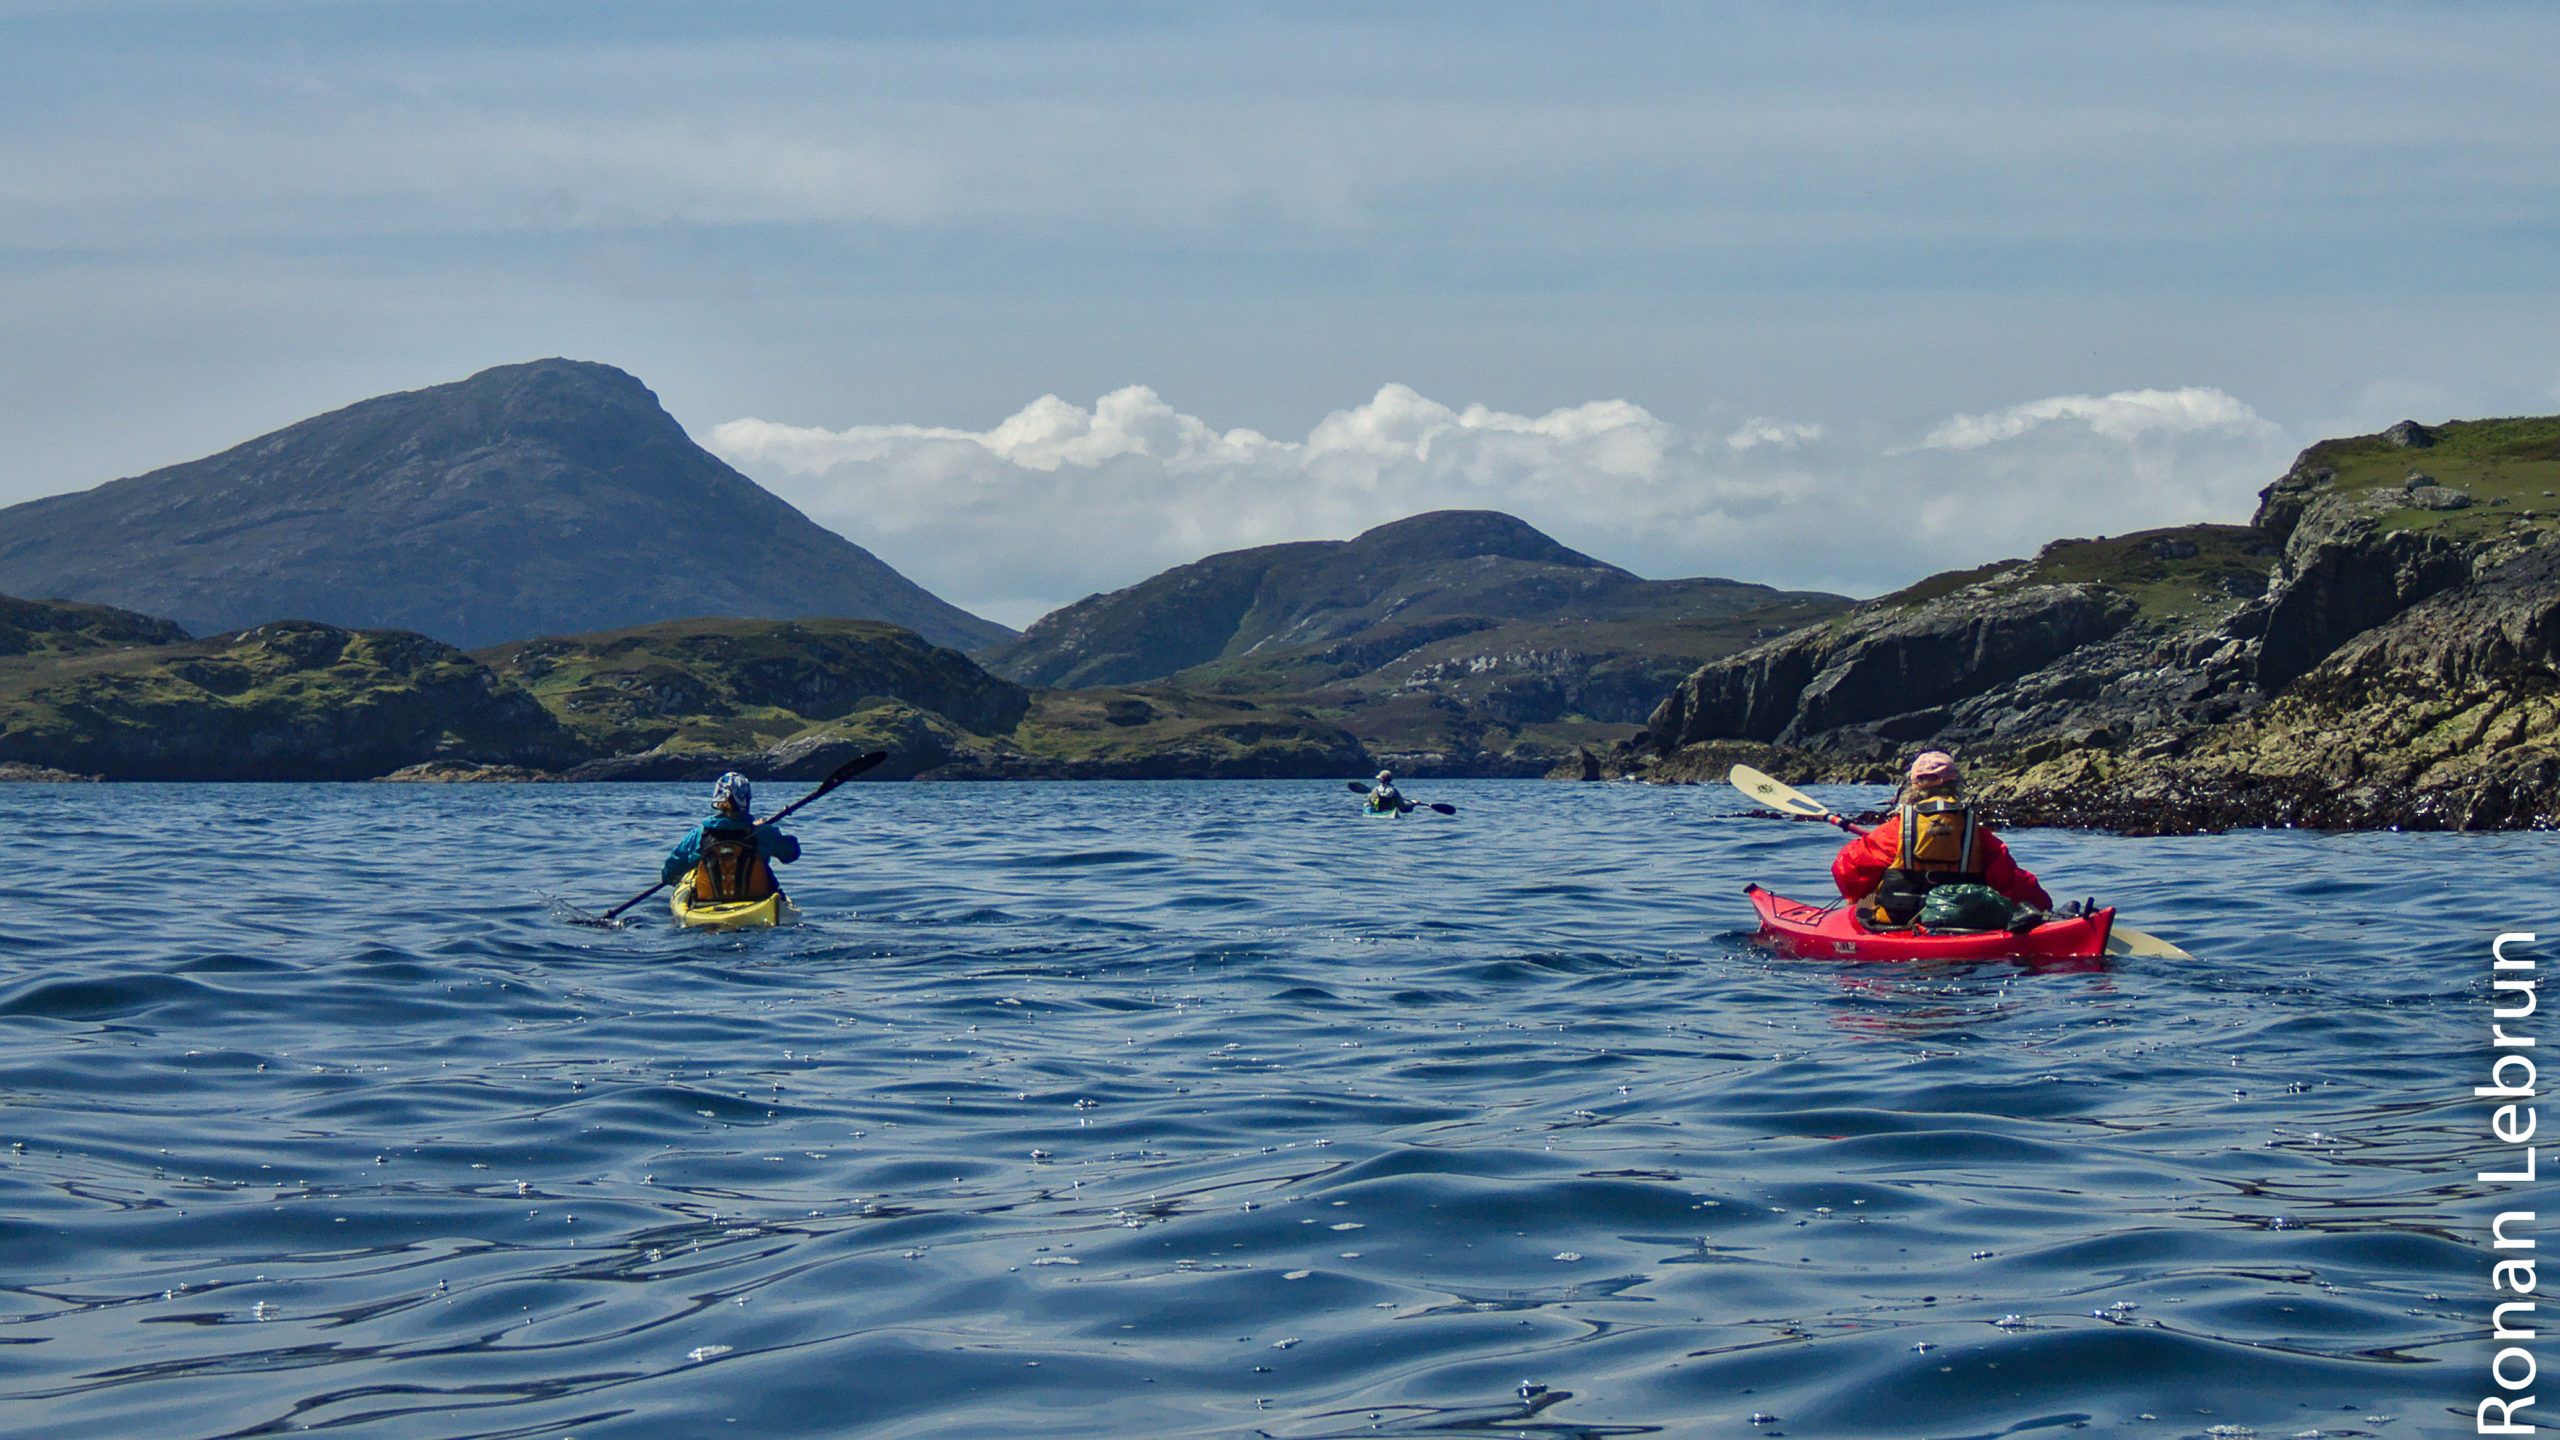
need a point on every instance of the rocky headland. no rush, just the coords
(2374, 649)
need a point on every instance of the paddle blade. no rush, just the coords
(849, 769)
(1443, 809)
(1775, 793)
(1356, 787)
(567, 913)
(2124, 940)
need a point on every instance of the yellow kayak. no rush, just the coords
(774, 909)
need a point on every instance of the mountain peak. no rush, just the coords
(551, 497)
(1468, 534)
(1447, 571)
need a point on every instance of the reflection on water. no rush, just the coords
(1211, 1109)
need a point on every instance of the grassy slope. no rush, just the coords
(322, 701)
(2231, 563)
(2509, 468)
(728, 686)
(37, 631)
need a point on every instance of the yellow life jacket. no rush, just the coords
(1936, 842)
(731, 868)
(1939, 836)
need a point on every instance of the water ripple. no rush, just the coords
(1184, 1109)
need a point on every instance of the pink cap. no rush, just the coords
(1932, 765)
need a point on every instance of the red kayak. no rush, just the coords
(1832, 933)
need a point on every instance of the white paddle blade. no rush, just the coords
(1773, 792)
(2125, 940)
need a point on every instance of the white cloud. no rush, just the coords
(1760, 430)
(1059, 500)
(2124, 415)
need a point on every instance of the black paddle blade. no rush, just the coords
(569, 914)
(1356, 787)
(1443, 809)
(853, 767)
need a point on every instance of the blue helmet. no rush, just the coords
(731, 791)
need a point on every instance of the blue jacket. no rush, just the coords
(775, 846)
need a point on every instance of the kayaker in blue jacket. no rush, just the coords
(729, 856)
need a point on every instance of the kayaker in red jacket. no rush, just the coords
(1932, 838)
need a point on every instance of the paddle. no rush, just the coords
(2122, 939)
(841, 774)
(1359, 789)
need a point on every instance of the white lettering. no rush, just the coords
(2499, 1088)
(2498, 1320)
(2498, 1230)
(2513, 1177)
(2506, 1416)
(2498, 1276)
(2520, 1011)
(2498, 1368)
(2498, 950)
(2503, 1124)
(2498, 1036)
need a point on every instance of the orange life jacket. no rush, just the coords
(731, 869)
(1936, 842)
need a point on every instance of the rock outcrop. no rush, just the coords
(2444, 716)
(2092, 638)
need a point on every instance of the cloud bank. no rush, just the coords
(1059, 500)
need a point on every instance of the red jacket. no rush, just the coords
(1860, 866)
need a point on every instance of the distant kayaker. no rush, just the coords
(1931, 838)
(1385, 798)
(729, 856)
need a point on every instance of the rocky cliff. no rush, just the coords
(548, 498)
(2099, 637)
(2397, 670)
(2405, 656)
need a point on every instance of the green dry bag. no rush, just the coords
(1959, 908)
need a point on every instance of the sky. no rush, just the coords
(1034, 300)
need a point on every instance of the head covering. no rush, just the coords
(1931, 767)
(1386, 777)
(732, 790)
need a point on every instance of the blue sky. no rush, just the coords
(850, 245)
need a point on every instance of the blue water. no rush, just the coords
(1214, 1109)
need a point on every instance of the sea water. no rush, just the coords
(1215, 1109)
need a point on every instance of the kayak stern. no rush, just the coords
(1831, 932)
(774, 909)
